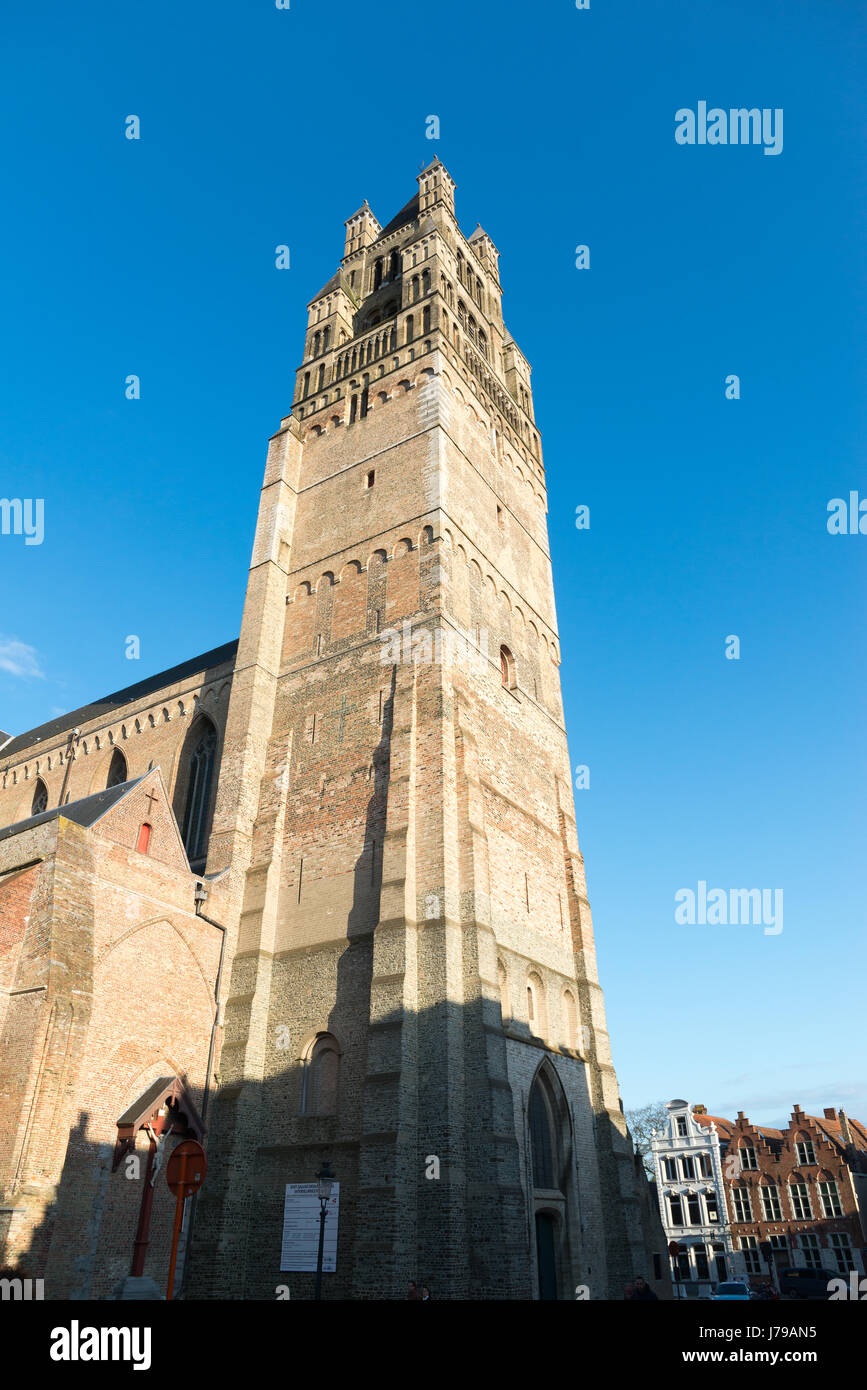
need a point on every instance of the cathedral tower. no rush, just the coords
(413, 992)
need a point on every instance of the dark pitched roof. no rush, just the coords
(332, 284)
(108, 703)
(406, 215)
(87, 811)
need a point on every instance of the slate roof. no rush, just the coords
(87, 811)
(108, 703)
(332, 284)
(407, 214)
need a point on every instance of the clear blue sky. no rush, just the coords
(708, 516)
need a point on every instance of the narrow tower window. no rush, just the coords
(40, 798)
(199, 777)
(507, 668)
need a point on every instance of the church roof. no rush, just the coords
(328, 288)
(108, 703)
(407, 214)
(86, 811)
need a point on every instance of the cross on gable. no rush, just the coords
(151, 797)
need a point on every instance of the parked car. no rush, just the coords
(733, 1291)
(806, 1283)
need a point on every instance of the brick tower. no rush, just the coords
(413, 991)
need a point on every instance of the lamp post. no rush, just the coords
(325, 1179)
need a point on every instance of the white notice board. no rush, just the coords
(301, 1229)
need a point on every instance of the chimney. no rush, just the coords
(844, 1128)
(830, 1113)
(699, 1110)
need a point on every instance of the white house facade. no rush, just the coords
(688, 1166)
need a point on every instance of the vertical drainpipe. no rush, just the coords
(201, 895)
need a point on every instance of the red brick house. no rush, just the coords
(798, 1196)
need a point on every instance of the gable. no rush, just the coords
(147, 805)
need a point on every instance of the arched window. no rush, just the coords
(541, 1138)
(503, 982)
(395, 264)
(425, 282)
(377, 274)
(144, 838)
(320, 1076)
(570, 1015)
(200, 771)
(425, 319)
(507, 668)
(409, 329)
(40, 798)
(306, 384)
(116, 770)
(537, 1010)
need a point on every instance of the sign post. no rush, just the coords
(185, 1173)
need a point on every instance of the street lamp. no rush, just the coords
(325, 1181)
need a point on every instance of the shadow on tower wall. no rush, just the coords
(413, 1086)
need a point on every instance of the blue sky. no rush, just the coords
(708, 516)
